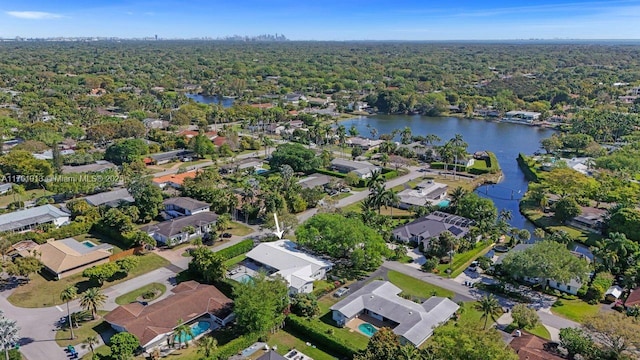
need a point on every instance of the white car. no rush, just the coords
(341, 292)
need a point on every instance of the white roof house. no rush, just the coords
(426, 193)
(380, 300)
(363, 169)
(613, 293)
(30, 218)
(298, 268)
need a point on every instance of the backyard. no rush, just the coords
(42, 291)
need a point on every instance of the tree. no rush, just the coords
(566, 182)
(615, 332)
(128, 263)
(8, 334)
(356, 151)
(297, 156)
(123, 345)
(68, 294)
(469, 343)
(5, 246)
(567, 208)
(546, 260)
(551, 144)
(627, 222)
(347, 239)
(524, 316)
(100, 273)
(306, 305)
(91, 342)
(489, 307)
(183, 333)
(201, 145)
(383, 345)
(21, 163)
(126, 151)
(92, 299)
(147, 197)
(207, 264)
(207, 346)
(577, 342)
(477, 208)
(24, 267)
(456, 196)
(260, 304)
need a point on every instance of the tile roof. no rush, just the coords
(32, 216)
(415, 321)
(633, 298)
(190, 301)
(271, 355)
(66, 254)
(185, 203)
(531, 347)
(177, 179)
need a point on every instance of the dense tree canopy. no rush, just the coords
(260, 304)
(297, 156)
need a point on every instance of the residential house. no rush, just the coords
(168, 156)
(298, 268)
(154, 324)
(380, 300)
(98, 166)
(271, 355)
(315, 180)
(634, 91)
(426, 193)
(48, 154)
(294, 98)
(174, 180)
(571, 287)
(184, 206)
(182, 229)
(591, 219)
(613, 293)
(192, 133)
(66, 257)
(112, 198)
(522, 116)
(633, 299)
(532, 347)
(428, 227)
(364, 143)
(249, 163)
(29, 219)
(151, 123)
(363, 169)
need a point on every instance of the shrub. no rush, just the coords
(311, 331)
(235, 346)
(237, 249)
(430, 264)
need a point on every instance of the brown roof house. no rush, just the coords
(531, 347)
(204, 306)
(633, 299)
(68, 256)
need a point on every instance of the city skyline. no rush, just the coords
(329, 20)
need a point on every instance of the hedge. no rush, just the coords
(319, 336)
(330, 173)
(126, 239)
(66, 231)
(235, 346)
(440, 165)
(237, 249)
(524, 164)
(390, 175)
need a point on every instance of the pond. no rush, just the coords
(211, 99)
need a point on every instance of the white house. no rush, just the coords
(380, 300)
(28, 219)
(298, 268)
(426, 193)
(363, 169)
(184, 206)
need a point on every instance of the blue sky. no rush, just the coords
(324, 19)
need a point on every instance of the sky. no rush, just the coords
(324, 19)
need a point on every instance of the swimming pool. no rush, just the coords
(196, 329)
(244, 278)
(443, 203)
(260, 171)
(88, 244)
(367, 329)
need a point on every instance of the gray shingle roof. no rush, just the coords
(186, 203)
(110, 198)
(415, 321)
(173, 227)
(33, 216)
(433, 225)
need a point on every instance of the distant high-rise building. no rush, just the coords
(156, 37)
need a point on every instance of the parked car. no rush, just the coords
(226, 235)
(341, 292)
(345, 190)
(474, 266)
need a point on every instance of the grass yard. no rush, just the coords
(234, 260)
(538, 330)
(102, 351)
(44, 292)
(463, 260)
(387, 211)
(287, 341)
(29, 195)
(132, 296)
(89, 328)
(549, 223)
(415, 287)
(576, 310)
(238, 229)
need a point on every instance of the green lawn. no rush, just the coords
(414, 287)
(287, 341)
(462, 260)
(239, 229)
(549, 223)
(388, 211)
(103, 351)
(44, 292)
(87, 329)
(29, 195)
(538, 330)
(132, 296)
(576, 310)
(234, 260)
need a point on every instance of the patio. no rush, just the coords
(363, 319)
(243, 269)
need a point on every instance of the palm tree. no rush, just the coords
(183, 332)
(391, 199)
(207, 345)
(489, 307)
(68, 294)
(505, 215)
(375, 179)
(91, 341)
(456, 195)
(431, 139)
(92, 299)
(539, 233)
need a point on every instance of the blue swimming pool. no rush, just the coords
(260, 171)
(88, 244)
(367, 329)
(244, 278)
(196, 329)
(443, 203)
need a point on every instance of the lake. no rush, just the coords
(504, 139)
(205, 99)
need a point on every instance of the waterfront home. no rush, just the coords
(522, 116)
(30, 219)
(379, 302)
(191, 302)
(66, 257)
(590, 219)
(364, 143)
(428, 227)
(298, 268)
(426, 193)
(182, 229)
(363, 169)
